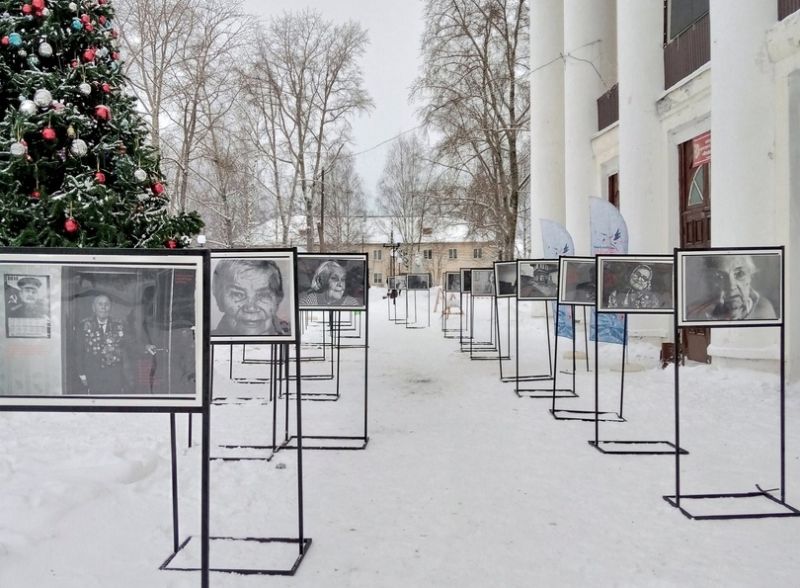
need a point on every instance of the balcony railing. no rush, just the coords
(608, 108)
(787, 7)
(687, 52)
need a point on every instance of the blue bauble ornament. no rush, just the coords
(76, 25)
(15, 39)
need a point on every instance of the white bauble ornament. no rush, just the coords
(18, 149)
(45, 49)
(140, 175)
(79, 148)
(73, 7)
(42, 98)
(84, 88)
(28, 108)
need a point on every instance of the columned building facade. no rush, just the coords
(684, 114)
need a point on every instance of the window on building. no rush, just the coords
(377, 278)
(427, 253)
(477, 253)
(377, 254)
(613, 189)
(683, 14)
(452, 253)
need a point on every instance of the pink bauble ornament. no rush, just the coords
(71, 226)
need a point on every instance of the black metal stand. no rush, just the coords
(499, 335)
(303, 543)
(574, 415)
(413, 325)
(626, 447)
(481, 350)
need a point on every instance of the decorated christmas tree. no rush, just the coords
(76, 165)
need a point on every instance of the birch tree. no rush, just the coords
(474, 92)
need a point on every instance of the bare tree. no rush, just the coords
(474, 92)
(311, 66)
(409, 195)
(345, 205)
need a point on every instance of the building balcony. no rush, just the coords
(608, 108)
(688, 51)
(787, 7)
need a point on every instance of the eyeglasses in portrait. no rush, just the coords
(482, 282)
(452, 282)
(537, 279)
(122, 329)
(418, 281)
(253, 295)
(578, 283)
(733, 286)
(634, 284)
(328, 282)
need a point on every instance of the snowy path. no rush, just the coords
(462, 484)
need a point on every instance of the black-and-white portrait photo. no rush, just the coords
(482, 282)
(332, 281)
(730, 286)
(578, 283)
(505, 275)
(124, 328)
(253, 296)
(27, 305)
(466, 280)
(452, 281)
(537, 279)
(635, 284)
(418, 281)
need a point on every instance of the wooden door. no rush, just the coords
(695, 200)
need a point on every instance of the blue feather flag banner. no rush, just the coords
(609, 236)
(556, 241)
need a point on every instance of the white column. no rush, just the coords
(547, 116)
(590, 70)
(642, 170)
(744, 210)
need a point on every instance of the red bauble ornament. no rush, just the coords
(88, 55)
(106, 87)
(101, 19)
(85, 18)
(100, 177)
(71, 225)
(75, 64)
(27, 9)
(49, 134)
(36, 195)
(101, 2)
(89, 27)
(102, 112)
(5, 41)
(172, 244)
(38, 4)
(114, 33)
(158, 188)
(115, 56)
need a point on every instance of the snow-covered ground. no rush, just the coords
(462, 483)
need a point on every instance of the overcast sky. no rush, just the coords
(389, 65)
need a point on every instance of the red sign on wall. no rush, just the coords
(701, 149)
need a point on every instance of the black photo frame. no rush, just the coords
(466, 280)
(505, 277)
(452, 281)
(254, 298)
(635, 284)
(127, 331)
(577, 281)
(729, 287)
(537, 279)
(419, 281)
(319, 287)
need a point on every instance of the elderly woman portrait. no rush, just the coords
(248, 292)
(328, 287)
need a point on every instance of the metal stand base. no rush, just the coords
(586, 415)
(776, 507)
(637, 447)
(545, 393)
(245, 571)
(355, 443)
